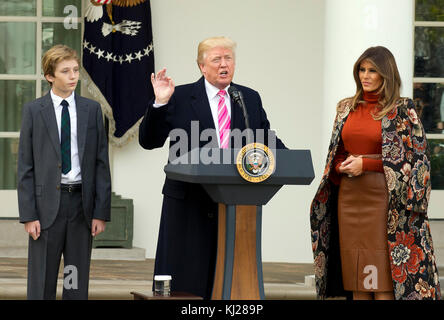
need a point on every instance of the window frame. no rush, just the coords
(38, 77)
(439, 24)
(435, 211)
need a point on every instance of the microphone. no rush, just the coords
(239, 99)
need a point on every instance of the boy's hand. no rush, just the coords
(33, 228)
(97, 227)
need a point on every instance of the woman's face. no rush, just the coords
(370, 79)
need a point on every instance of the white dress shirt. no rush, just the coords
(73, 176)
(213, 99)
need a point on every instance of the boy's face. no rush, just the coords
(66, 76)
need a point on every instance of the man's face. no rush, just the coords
(65, 78)
(218, 67)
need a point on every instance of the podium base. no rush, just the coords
(238, 274)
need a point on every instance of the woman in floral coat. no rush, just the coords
(406, 167)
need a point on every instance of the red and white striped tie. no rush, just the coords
(224, 120)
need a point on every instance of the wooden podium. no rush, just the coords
(238, 273)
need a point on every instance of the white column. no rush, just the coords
(352, 26)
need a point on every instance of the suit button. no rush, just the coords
(58, 187)
(59, 165)
(210, 215)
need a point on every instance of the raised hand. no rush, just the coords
(163, 86)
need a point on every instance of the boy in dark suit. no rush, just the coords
(64, 183)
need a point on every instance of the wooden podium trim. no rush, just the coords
(245, 281)
(230, 237)
(260, 275)
(238, 273)
(219, 272)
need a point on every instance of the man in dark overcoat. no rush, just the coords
(186, 247)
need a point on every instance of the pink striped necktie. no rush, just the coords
(224, 120)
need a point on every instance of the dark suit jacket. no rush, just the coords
(186, 247)
(39, 162)
(190, 103)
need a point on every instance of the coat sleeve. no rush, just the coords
(25, 170)
(102, 206)
(340, 156)
(419, 185)
(155, 128)
(335, 145)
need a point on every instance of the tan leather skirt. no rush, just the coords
(362, 217)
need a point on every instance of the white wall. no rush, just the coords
(280, 54)
(350, 28)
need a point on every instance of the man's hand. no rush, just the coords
(351, 166)
(33, 228)
(163, 87)
(97, 227)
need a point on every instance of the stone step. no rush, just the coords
(437, 230)
(12, 233)
(14, 244)
(15, 289)
(118, 254)
(137, 254)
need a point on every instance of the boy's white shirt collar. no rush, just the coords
(58, 100)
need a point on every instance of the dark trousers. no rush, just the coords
(68, 235)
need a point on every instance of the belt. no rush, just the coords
(71, 187)
(371, 156)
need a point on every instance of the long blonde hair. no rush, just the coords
(385, 64)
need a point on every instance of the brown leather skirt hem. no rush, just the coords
(362, 218)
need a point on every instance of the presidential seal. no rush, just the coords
(255, 162)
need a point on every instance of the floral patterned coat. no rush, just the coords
(406, 164)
